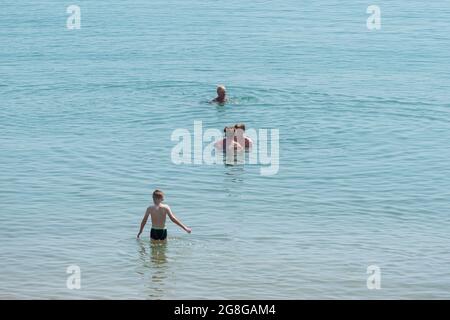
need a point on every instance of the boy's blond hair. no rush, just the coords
(157, 195)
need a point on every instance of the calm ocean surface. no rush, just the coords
(86, 118)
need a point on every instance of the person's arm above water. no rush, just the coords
(176, 221)
(219, 144)
(234, 145)
(144, 221)
(248, 142)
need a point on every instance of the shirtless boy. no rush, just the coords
(158, 213)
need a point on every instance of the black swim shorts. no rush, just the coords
(158, 234)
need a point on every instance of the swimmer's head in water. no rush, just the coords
(239, 130)
(240, 126)
(221, 91)
(158, 196)
(229, 131)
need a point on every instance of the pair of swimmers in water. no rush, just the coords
(234, 139)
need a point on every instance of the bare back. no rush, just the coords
(158, 215)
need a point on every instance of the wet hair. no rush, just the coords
(222, 87)
(157, 195)
(227, 128)
(239, 126)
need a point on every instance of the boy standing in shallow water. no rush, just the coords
(158, 213)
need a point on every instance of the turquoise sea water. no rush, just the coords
(86, 118)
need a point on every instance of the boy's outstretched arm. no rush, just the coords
(144, 221)
(176, 221)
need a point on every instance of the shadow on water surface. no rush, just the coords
(152, 254)
(233, 178)
(153, 258)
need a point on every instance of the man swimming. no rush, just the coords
(158, 213)
(221, 95)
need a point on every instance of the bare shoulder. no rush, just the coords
(166, 207)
